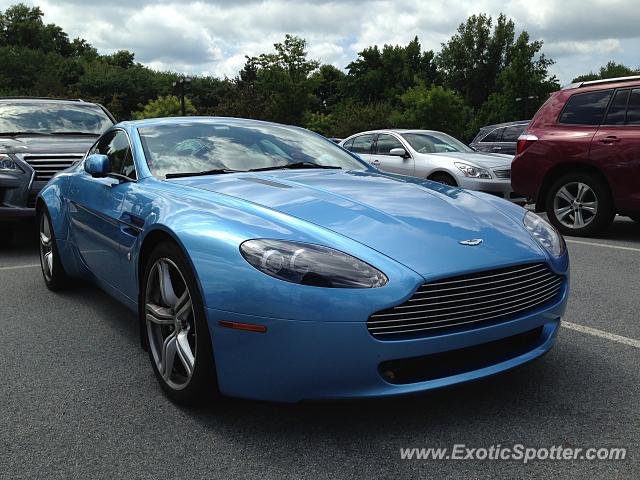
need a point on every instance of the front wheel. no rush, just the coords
(579, 204)
(175, 328)
(444, 178)
(55, 278)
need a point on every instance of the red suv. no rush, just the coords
(579, 158)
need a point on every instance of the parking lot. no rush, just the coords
(79, 399)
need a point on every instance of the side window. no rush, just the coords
(512, 133)
(618, 108)
(633, 111)
(493, 136)
(386, 143)
(362, 144)
(586, 108)
(116, 147)
(348, 144)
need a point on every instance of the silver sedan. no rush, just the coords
(435, 156)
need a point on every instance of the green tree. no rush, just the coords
(382, 75)
(281, 80)
(432, 108)
(167, 106)
(610, 70)
(472, 59)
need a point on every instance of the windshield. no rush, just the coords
(53, 118)
(435, 142)
(181, 148)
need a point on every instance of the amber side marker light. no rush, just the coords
(243, 326)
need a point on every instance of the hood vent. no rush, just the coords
(265, 182)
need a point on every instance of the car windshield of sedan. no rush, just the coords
(52, 118)
(435, 142)
(184, 148)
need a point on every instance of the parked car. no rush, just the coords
(435, 156)
(335, 139)
(499, 138)
(579, 159)
(40, 137)
(265, 261)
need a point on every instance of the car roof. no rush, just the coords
(396, 130)
(43, 100)
(604, 83)
(505, 124)
(152, 122)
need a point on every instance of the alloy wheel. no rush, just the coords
(170, 323)
(575, 205)
(46, 247)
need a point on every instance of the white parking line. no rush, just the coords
(602, 334)
(16, 267)
(606, 245)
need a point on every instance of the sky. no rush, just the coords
(213, 37)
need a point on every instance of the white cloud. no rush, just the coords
(214, 36)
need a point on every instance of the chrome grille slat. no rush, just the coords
(47, 165)
(503, 173)
(506, 314)
(469, 300)
(467, 285)
(547, 276)
(418, 305)
(540, 290)
(530, 267)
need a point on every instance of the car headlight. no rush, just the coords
(471, 171)
(309, 264)
(7, 164)
(545, 234)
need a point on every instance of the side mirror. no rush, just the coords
(98, 166)
(399, 152)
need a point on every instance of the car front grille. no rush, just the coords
(468, 301)
(47, 165)
(503, 173)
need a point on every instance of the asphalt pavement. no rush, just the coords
(79, 399)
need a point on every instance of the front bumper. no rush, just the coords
(297, 360)
(16, 195)
(498, 187)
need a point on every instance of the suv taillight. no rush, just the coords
(524, 142)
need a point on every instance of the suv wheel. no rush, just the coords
(579, 204)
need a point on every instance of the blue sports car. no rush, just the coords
(264, 261)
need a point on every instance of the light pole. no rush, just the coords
(180, 84)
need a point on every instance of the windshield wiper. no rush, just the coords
(294, 166)
(216, 171)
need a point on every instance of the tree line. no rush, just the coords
(485, 73)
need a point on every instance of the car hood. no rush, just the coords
(418, 223)
(486, 160)
(26, 144)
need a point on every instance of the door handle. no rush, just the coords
(375, 162)
(497, 148)
(610, 140)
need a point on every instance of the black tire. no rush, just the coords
(598, 194)
(202, 385)
(53, 273)
(443, 178)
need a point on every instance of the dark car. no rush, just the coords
(499, 138)
(579, 159)
(39, 138)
